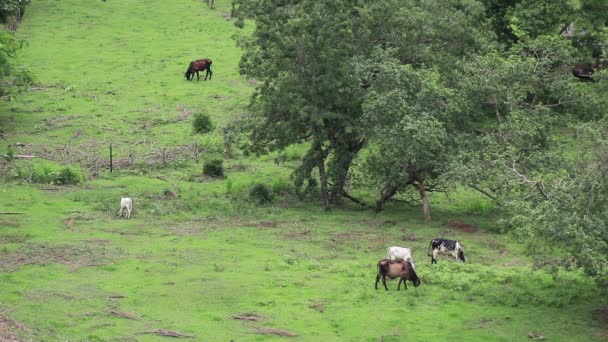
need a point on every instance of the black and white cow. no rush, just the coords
(449, 247)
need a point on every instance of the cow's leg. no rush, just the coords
(384, 282)
(405, 284)
(119, 212)
(434, 257)
(399, 284)
(377, 280)
(128, 212)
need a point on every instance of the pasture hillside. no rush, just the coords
(199, 258)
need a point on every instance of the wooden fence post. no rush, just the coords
(196, 153)
(110, 158)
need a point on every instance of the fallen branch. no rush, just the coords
(125, 315)
(361, 203)
(163, 332)
(13, 213)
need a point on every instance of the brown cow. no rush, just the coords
(392, 269)
(196, 66)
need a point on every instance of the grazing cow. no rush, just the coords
(400, 254)
(126, 205)
(199, 65)
(392, 269)
(450, 247)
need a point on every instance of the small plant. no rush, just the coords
(10, 154)
(202, 123)
(228, 186)
(260, 193)
(214, 168)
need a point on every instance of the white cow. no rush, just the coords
(126, 205)
(400, 253)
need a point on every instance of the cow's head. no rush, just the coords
(415, 279)
(461, 256)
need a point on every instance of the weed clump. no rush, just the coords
(214, 168)
(202, 123)
(260, 193)
(45, 172)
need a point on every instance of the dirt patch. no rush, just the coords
(124, 314)
(248, 316)
(462, 227)
(318, 305)
(298, 235)
(9, 222)
(184, 113)
(275, 331)
(12, 239)
(57, 121)
(74, 256)
(380, 223)
(495, 245)
(163, 332)
(9, 329)
(262, 224)
(409, 237)
(185, 231)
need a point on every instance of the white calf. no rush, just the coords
(400, 253)
(126, 205)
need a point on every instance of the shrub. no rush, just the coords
(202, 123)
(260, 193)
(70, 175)
(280, 186)
(214, 168)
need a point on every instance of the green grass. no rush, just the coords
(112, 72)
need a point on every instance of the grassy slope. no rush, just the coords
(116, 71)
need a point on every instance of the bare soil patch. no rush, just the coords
(9, 222)
(74, 256)
(298, 235)
(9, 329)
(124, 314)
(163, 332)
(12, 239)
(248, 316)
(462, 227)
(261, 224)
(275, 331)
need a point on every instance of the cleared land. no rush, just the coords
(209, 265)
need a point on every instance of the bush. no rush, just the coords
(70, 175)
(260, 193)
(45, 172)
(202, 123)
(280, 186)
(214, 168)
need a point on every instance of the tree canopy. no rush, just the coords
(478, 93)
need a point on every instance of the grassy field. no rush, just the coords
(112, 73)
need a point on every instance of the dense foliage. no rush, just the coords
(12, 78)
(440, 94)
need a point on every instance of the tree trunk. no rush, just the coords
(425, 200)
(227, 144)
(342, 158)
(323, 180)
(386, 195)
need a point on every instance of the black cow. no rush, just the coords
(449, 247)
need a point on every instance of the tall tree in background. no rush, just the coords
(302, 53)
(12, 78)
